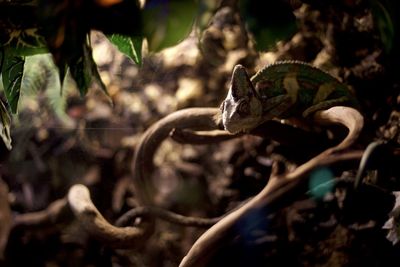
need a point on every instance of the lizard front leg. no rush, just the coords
(274, 107)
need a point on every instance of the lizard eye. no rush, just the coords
(243, 108)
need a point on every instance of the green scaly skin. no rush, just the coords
(281, 90)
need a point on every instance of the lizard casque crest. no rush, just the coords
(281, 90)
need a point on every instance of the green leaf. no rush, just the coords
(2, 54)
(81, 76)
(130, 46)
(84, 71)
(12, 71)
(91, 67)
(384, 23)
(168, 22)
(39, 73)
(5, 123)
(41, 78)
(268, 26)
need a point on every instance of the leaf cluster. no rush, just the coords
(62, 28)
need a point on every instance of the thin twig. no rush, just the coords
(297, 138)
(166, 215)
(201, 137)
(50, 215)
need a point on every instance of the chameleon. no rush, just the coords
(281, 90)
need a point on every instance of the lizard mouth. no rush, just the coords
(242, 126)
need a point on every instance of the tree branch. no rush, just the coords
(165, 215)
(279, 187)
(97, 227)
(44, 217)
(280, 191)
(143, 166)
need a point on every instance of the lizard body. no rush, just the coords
(280, 90)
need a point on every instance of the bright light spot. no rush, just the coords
(319, 183)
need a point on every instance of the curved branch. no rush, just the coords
(277, 193)
(95, 224)
(165, 215)
(181, 125)
(372, 149)
(279, 187)
(282, 133)
(201, 137)
(346, 116)
(143, 166)
(47, 216)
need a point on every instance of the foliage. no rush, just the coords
(41, 78)
(384, 14)
(168, 22)
(130, 46)
(12, 70)
(62, 27)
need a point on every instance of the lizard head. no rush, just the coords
(242, 109)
